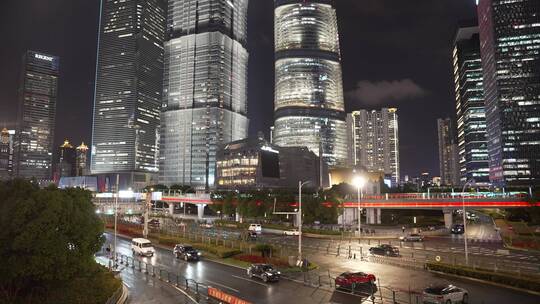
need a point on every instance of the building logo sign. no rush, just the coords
(43, 57)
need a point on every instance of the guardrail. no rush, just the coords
(115, 297)
(414, 255)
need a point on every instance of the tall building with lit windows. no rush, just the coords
(510, 51)
(309, 106)
(470, 108)
(448, 152)
(38, 94)
(128, 92)
(205, 88)
(374, 141)
(6, 153)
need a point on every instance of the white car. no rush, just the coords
(257, 228)
(291, 232)
(445, 294)
(140, 246)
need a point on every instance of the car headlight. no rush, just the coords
(198, 253)
(278, 272)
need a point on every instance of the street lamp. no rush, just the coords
(469, 182)
(300, 185)
(359, 182)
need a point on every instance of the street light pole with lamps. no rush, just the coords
(359, 182)
(299, 215)
(469, 182)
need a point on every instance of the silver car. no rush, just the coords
(414, 237)
(445, 294)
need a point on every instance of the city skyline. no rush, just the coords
(354, 74)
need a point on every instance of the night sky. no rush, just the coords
(394, 53)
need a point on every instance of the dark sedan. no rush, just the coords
(385, 250)
(186, 253)
(265, 272)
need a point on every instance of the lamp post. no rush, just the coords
(469, 182)
(359, 182)
(116, 214)
(299, 215)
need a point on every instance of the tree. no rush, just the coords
(47, 235)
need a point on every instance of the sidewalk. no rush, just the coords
(145, 289)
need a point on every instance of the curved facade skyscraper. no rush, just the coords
(205, 87)
(309, 107)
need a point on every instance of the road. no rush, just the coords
(234, 281)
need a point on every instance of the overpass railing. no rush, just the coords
(449, 195)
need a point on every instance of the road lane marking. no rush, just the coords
(224, 286)
(241, 278)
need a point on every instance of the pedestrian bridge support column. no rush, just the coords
(200, 211)
(447, 218)
(171, 209)
(373, 215)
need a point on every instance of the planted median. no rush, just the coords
(504, 278)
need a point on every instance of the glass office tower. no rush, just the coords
(510, 49)
(309, 107)
(205, 88)
(128, 93)
(374, 141)
(36, 115)
(470, 108)
(448, 152)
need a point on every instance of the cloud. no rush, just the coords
(373, 93)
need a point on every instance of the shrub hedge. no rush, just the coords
(510, 279)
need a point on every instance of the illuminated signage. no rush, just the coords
(43, 57)
(224, 297)
(269, 149)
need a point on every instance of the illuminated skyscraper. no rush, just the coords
(81, 160)
(128, 91)
(309, 106)
(510, 49)
(6, 153)
(471, 115)
(374, 141)
(36, 116)
(448, 152)
(66, 160)
(205, 88)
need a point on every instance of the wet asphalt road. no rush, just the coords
(233, 281)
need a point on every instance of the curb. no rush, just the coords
(125, 293)
(532, 292)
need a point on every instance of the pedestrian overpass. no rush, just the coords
(446, 202)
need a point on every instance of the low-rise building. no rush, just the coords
(254, 163)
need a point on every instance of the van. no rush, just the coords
(140, 246)
(257, 228)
